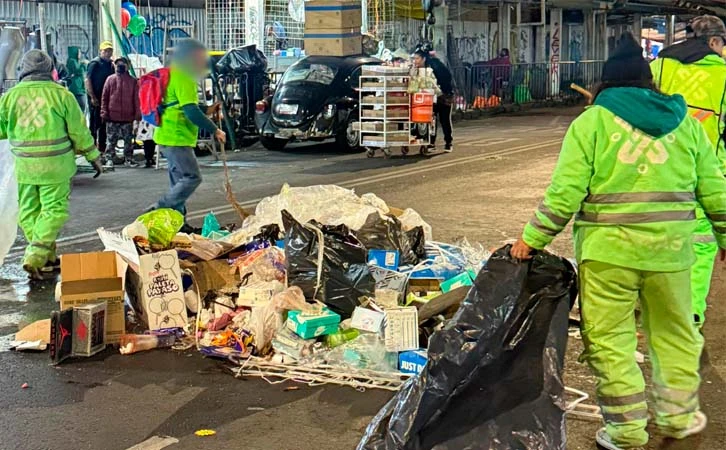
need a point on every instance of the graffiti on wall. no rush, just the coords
(151, 42)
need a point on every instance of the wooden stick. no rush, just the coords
(587, 94)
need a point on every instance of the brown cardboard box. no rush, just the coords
(333, 42)
(335, 14)
(88, 278)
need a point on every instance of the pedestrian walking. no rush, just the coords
(633, 169)
(99, 69)
(695, 69)
(444, 103)
(76, 72)
(181, 120)
(46, 128)
(119, 110)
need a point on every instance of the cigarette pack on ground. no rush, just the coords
(401, 329)
(309, 326)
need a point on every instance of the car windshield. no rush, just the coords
(310, 73)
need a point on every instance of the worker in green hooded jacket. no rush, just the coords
(632, 171)
(696, 69)
(76, 76)
(45, 128)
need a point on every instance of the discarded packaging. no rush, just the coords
(491, 377)
(36, 331)
(162, 225)
(412, 361)
(365, 319)
(401, 329)
(8, 200)
(89, 329)
(133, 343)
(312, 325)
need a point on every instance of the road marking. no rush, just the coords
(223, 209)
(155, 443)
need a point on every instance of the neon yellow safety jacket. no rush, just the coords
(46, 128)
(632, 170)
(702, 84)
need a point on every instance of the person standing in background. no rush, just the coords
(76, 72)
(696, 70)
(119, 110)
(444, 103)
(99, 69)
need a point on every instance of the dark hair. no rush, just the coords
(504, 52)
(645, 84)
(422, 53)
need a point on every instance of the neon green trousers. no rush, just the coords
(608, 297)
(705, 248)
(43, 210)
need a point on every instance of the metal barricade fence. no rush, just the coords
(482, 86)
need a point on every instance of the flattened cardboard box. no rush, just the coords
(96, 277)
(335, 14)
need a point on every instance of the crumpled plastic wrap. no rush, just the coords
(162, 224)
(367, 351)
(8, 201)
(326, 204)
(493, 380)
(410, 219)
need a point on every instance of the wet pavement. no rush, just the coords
(485, 191)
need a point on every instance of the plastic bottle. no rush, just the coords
(340, 337)
(132, 343)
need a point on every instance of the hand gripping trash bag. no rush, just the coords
(8, 201)
(493, 380)
(328, 263)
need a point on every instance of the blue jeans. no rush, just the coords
(184, 177)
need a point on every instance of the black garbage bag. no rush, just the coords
(340, 278)
(386, 233)
(493, 380)
(242, 60)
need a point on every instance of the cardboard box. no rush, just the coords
(333, 42)
(365, 319)
(309, 326)
(388, 259)
(89, 329)
(61, 344)
(412, 361)
(336, 14)
(156, 291)
(463, 279)
(401, 329)
(215, 275)
(259, 293)
(388, 279)
(88, 278)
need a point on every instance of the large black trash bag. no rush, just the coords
(242, 60)
(494, 376)
(386, 233)
(345, 276)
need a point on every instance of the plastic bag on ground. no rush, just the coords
(8, 201)
(328, 263)
(162, 225)
(493, 380)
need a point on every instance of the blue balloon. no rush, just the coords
(130, 7)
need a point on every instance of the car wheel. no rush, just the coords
(274, 144)
(348, 138)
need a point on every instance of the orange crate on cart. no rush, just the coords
(422, 107)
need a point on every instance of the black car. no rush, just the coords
(315, 100)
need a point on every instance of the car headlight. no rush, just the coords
(329, 111)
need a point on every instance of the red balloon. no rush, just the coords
(125, 18)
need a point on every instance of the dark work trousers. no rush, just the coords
(98, 128)
(442, 109)
(149, 151)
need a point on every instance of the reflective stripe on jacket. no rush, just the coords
(633, 196)
(45, 128)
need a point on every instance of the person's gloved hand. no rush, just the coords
(98, 165)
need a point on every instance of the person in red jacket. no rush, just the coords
(119, 109)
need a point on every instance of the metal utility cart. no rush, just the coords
(385, 112)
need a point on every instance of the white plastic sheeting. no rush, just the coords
(8, 201)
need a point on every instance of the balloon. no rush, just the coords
(125, 18)
(137, 25)
(130, 7)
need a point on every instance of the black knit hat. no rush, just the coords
(626, 63)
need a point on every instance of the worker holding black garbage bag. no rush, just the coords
(633, 169)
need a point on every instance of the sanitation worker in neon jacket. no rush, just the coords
(633, 169)
(696, 70)
(46, 129)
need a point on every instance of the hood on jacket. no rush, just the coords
(651, 112)
(73, 53)
(688, 52)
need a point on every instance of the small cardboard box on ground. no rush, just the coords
(333, 42)
(88, 278)
(332, 14)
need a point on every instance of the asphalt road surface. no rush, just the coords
(485, 191)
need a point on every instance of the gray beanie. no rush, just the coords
(36, 63)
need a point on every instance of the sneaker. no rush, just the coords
(149, 165)
(108, 164)
(131, 163)
(699, 424)
(50, 267)
(448, 148)
(604, 440)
